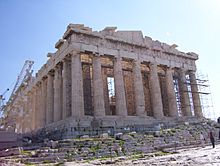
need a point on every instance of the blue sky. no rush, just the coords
(29, 29)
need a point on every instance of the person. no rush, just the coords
(212, 139)
(202, 140)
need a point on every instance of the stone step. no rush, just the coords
(66, 141)
(52, 158)
(10, 152)
(31, 147)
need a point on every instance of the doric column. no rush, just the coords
(171, 96)
(38, 106)
(43, 102)
(77, 85)
(50, 98)
(184, 95)
(29, 110)
(66, 88)
(24, 114)
(98, 94)
(57, 93)
(105, 91)
(33, 106)
(121, 108)
(155, 92)
(195, 94)
(138, 90)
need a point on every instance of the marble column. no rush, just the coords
(155, 92)
(50, 98)
(33, 106)
(171, 96)
(138, 90)
(121, 108)
(66, 88)
(24, 114)
(57, 93)
(43, 102)
(105, 91)
(98, 94)
(77, 86)
(29, 110)
(195, 95)
(184, 95)
(38, 105)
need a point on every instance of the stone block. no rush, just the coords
(104, 135)
(118, 136)
(84, 136)
(54, 144)
(10, 152)
(6, 136)
(127, 137)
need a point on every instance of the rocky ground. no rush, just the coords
(193, 156)
(176, 145)
(206, 156)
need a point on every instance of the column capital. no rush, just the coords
(116, 59)
(170, 69)
(153, 64)
(51, 72)
(95, 54)
(75, 51)
(98, 54)
(137, 61)
(66, 58)
(38, 84)
(58, 66)
(44, 77)
(182, 70)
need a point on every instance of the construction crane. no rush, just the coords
(2, 99)
(23, 76)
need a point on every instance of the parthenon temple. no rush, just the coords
(112, 77)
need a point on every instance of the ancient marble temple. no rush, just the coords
(111, 77)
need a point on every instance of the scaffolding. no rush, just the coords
(177, 93)
(204, 91)
(205, 96)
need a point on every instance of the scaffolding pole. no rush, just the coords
(204, 91)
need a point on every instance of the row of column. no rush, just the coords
(60, 94)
